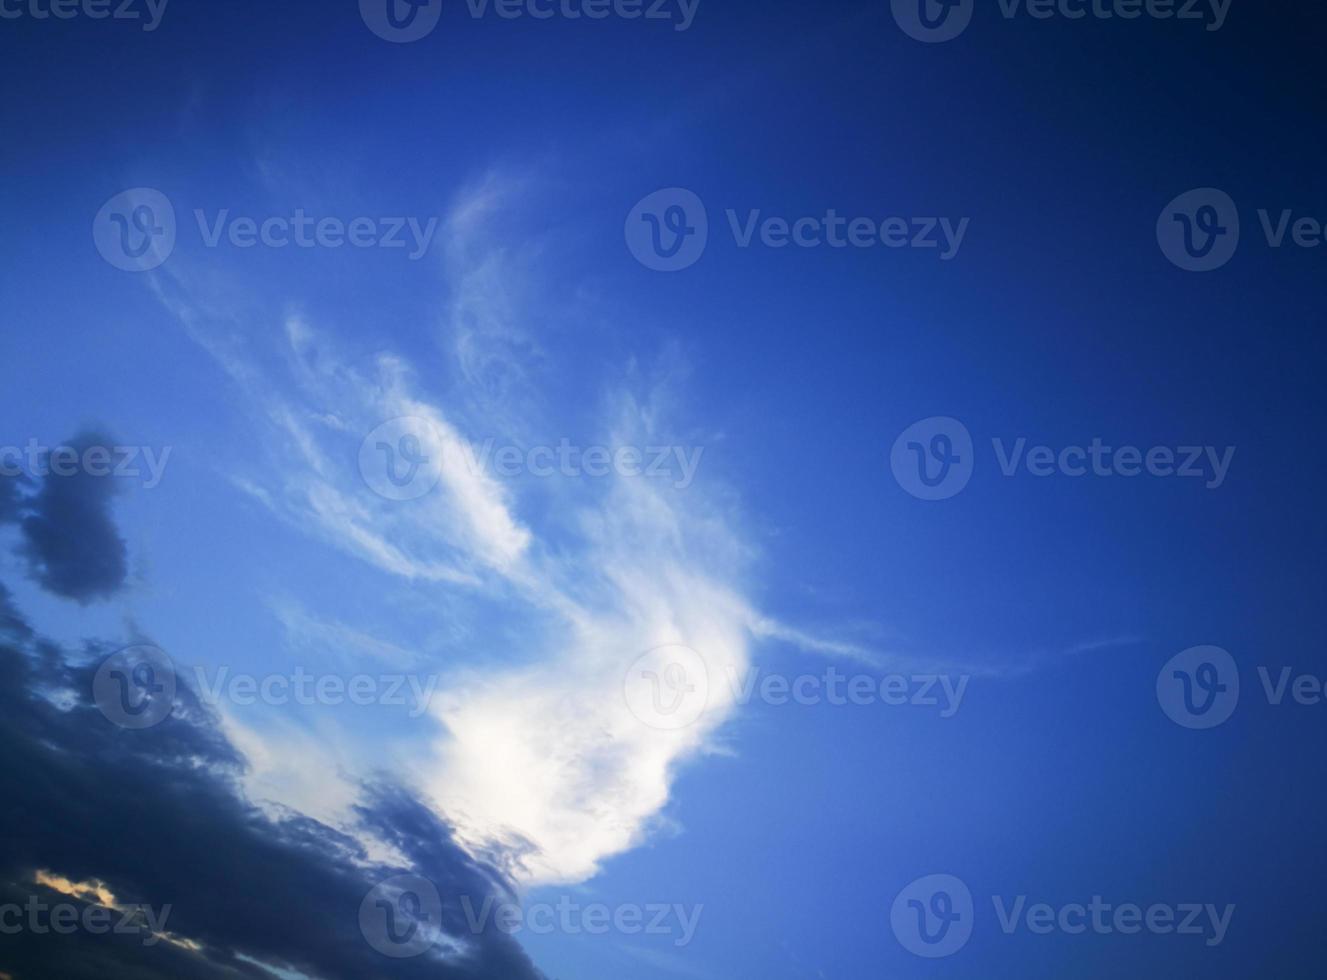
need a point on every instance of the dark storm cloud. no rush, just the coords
(12, 623)
(69, 538)
(10, 498)
(157, 816)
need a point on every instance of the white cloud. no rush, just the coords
(542, 757)
(551, 753)
(547, 752)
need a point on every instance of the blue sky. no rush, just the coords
(776, 383)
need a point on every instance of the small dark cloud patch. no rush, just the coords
(70, 540)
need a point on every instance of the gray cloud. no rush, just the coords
(69, 538)
(11, 502)
(157, 815)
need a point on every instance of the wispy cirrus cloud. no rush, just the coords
(544, 753)
(540, 760)
(307, 631)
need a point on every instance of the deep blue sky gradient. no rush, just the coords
(1059, 321)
